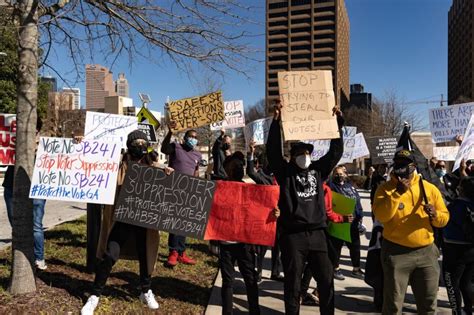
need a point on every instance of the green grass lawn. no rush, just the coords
(64, 286)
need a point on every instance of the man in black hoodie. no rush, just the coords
(303, 216)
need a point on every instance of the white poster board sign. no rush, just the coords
(234, 116)
(107, 127)
(445, 153)
(8, 139)
(257, 130)
(81, 172)
(467, 146)
(449, 121)
(354, 147)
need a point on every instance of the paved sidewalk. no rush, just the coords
(353, 296)
(56, 212)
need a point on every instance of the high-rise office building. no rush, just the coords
(76, 96)
(460, 51)
(307, 35)
(360, 98)
(121, 85)
(99, 84)
(51, 81)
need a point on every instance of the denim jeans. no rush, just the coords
(177, 243)
(38, 233)
(8, 196)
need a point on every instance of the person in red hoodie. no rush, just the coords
(313, 298)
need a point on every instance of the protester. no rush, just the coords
(263, 176)
(183, 158)
(220, 150)
(409, 208)
(458, 249)
(232, 252)
(376, 176)
(440, 170)
(119, 239)
(38, 209)
(312, 298)
(303, 217)
(340, 185)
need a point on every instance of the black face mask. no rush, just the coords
(403, 171)
(137, 151)
(225, 146)
(338, 178)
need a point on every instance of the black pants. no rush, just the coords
(276, 261)
(458, 270)
(177, 243)
(260, 252)
(242, 253)
(296, 250)
(354, 246)
(118, 236)
(307, 275)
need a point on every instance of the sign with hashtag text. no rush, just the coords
(70, 171)
(176, 203)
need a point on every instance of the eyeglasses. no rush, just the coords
(139, 142)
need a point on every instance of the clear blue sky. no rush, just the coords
(396, 45)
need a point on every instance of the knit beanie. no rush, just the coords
(134, 135)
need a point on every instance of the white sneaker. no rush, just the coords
(41, 264)
(91, 304)
(149, 299)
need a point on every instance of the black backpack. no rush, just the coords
(468, 224)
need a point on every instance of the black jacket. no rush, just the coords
(218, 156)
(301, 193)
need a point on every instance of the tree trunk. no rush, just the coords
(22, 277)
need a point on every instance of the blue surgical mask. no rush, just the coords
(191, 142)
(440, 172)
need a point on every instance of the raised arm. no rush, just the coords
(166, 146)
(274, 153)
(326, 163)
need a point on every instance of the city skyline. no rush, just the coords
(409, 58)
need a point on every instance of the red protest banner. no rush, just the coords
(243, 213)
(7, 139)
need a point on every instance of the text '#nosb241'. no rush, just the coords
(175, 203)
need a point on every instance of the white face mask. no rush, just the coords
(303, 161)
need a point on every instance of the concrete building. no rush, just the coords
(57, 102)
(460, 52)
(359, 98)
(76, 96)
(307, 35)
(99, 84)
(117, 104)
(121, 85)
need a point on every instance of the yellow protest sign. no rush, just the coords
(308, 99)
(145, 115)
(197, 111)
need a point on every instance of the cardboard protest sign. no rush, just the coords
(382, 149)
(308, 99)
(234, 116)
(449, 121)
(467, 146)
(149, 130)
(7, 139)
(175, 203)
(446, 153)
(343, 206)
(197, 111)
(82, 172)
(243, 213)
(257, 130)
(107, 127)
(146, 116)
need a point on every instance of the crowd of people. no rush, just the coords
(414, 221)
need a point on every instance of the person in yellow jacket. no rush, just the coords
(409, 208)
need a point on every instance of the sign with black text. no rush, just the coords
(382, 149)
(149, 130)
(176, 203)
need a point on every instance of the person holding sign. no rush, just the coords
(263, 176)
(303, 216)
(220, 150)
(232, 252)
(183, 158)
(409, 207)
(118, 238)
(340, 185)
